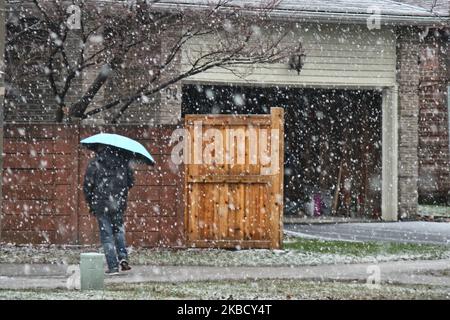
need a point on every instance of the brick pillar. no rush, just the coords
(433, 120)
(408, 75)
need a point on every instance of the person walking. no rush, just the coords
(108, 179)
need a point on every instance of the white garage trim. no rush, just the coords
(389, 181)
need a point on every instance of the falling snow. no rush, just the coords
(365, 133)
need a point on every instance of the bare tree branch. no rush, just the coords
(134, 36)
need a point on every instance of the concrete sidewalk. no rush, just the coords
(405, 272)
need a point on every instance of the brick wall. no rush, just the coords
(433, 147)
(29, 97)
(423, 119)
(42, 197)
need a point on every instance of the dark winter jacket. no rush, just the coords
(107, 181)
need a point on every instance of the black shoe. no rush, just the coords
(113, 272)
(124, 265)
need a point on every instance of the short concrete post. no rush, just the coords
(91, 271)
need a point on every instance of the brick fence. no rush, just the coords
(43, 200)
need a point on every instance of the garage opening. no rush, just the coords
(332, 143)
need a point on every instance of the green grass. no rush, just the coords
(361, 248)
(434, 210)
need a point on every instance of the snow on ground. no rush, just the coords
(298, 252)
(308, 252)
(248, 290)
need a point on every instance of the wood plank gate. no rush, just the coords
(234, 180)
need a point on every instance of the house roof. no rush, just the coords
(392, 12)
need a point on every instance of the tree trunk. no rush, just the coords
(79, 107)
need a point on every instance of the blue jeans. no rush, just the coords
(112, 236)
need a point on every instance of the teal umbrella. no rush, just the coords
(126, 144)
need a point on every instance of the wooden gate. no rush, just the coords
(234, 180)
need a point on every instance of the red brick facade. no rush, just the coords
(43, 201)
(433, 148)
(408, 77)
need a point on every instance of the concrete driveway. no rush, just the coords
(405, 232)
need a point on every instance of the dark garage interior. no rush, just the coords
(332, 138)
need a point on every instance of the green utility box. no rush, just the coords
(91, 271)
